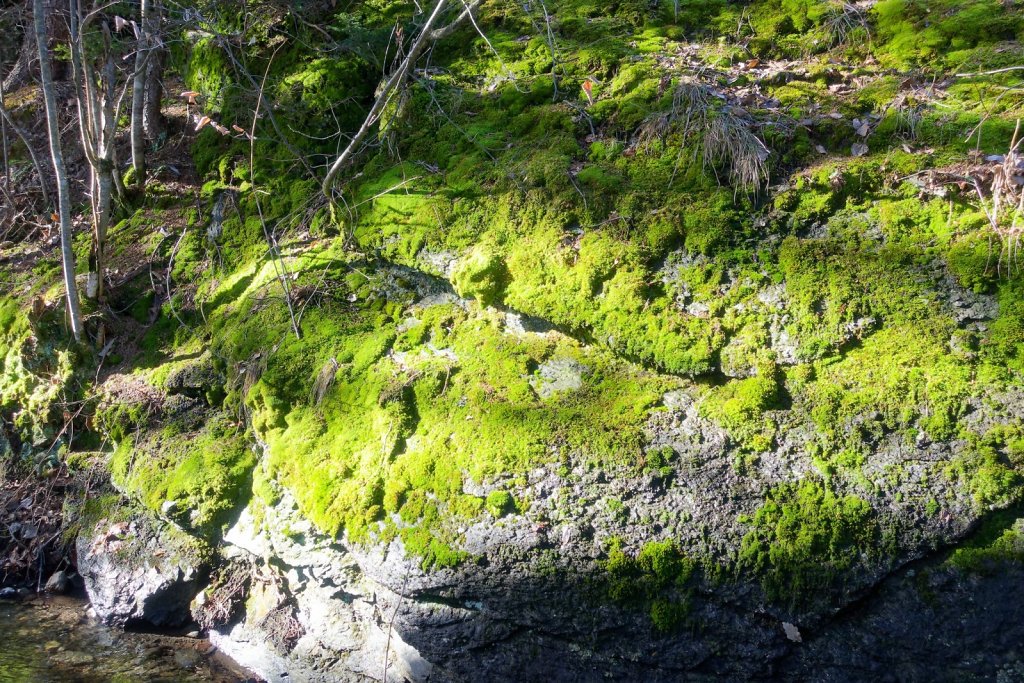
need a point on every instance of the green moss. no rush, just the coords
(657, 579)
(998, 542)
(937, 32)
(740, 407)
(207, 475)
(1004, 346)
(805, 538)
(989, 467)
(500, 503)
(481, 275)
(37, 369)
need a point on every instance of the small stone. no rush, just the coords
(58, 583)
(792, 632)
(168, 507)
(8, 594)
(187, 659)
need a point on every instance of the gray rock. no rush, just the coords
(314, 616)
(559, 375)
(142, 571)
(58, 583)
(195, 378)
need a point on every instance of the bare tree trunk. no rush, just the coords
(142, 55)
(63, 191)
(97, 118)
(152, 119)
(3, 137)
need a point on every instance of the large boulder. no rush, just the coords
(141, 570)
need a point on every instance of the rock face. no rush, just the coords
(505, 621)
(311, 614)
(144, 570)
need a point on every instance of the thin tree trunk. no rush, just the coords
(98, 122)
(101, 221)
(63, 190)
(152, 119)
(3, 138)
(142, 54)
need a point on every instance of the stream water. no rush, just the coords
(53, 640)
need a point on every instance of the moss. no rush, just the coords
(402, 419)
(500, 503)
(989, 467)
(740, 407)
(207, 475)
(937, 32)
(1004, 345)
(997, 543)
(37, 370)
(804, 540)
(481, 275)
(657, 579)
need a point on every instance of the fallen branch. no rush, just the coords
(394, 83)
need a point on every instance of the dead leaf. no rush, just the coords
(202, 123)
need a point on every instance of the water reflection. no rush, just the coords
(52, 640)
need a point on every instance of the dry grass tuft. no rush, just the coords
(721, 135)
(842, 20)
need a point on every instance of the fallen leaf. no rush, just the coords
(202, 123)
